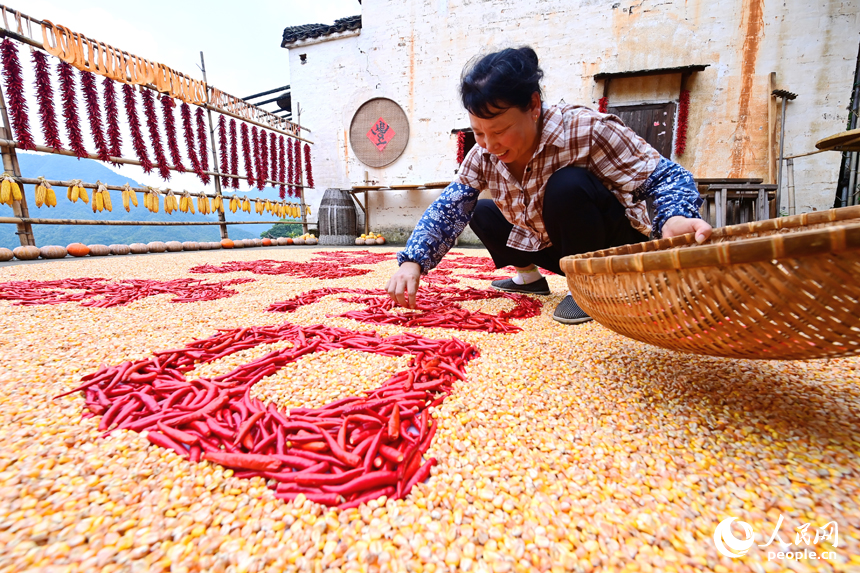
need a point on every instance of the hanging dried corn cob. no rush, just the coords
(151, 200)
(246, 152)
(190, 144)
(170, 204)
(94, 114)
(45, 194)
(246, 205)
(9, 190)
(98, 200)
(235, 204)
(187, 202)
(154, 134)
(129, 197)
(15, 92)
(112, 116)
(45, 98)
(203, 205)
(202, 146)
(281, 168)
(234, 156)
(167, 105)
(222, 135)
(310, 181)
(76, 191)
(218, 203)
(134, 127)
(70, 109)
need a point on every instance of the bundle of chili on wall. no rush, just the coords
(234, 155)
(222, 135)
(154, 135)
(140, 150)
(246, 153)
(112, 116)
(297, 157)
(683, 111)
(310, 182)
(461, 146)
(70, 109)
(282, 166)
(91, 97)
(167, 105)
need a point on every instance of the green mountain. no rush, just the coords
(61, 167)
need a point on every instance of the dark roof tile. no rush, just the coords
(295, 33)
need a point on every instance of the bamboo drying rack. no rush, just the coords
(20, 210)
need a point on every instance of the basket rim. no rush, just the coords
(666, 254)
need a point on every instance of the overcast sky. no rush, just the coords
(240, 40)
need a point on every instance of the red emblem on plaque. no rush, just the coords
(380, 134)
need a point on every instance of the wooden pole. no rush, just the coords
(771, 127)
(10, 165)
(221, 215)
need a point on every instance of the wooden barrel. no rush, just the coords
(336, 217)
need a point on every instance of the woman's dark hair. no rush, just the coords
(492, 83)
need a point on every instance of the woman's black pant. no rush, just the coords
(579, 213)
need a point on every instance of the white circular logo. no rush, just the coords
(727, 544)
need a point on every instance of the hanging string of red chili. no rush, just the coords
(91, 98)
(310, 181)
(255, 143)
(603, 104)
(246, 153)
(234, 156)
(282, 168)
(70, 109)
(461, 146)
(154, 135)
(130, 101)
(297, 157)
(292, 173)
(345, 453)
(222, 136)
(45, 99)
(263, 160)
(203, 145)
(112, 117)
(167, 105)
(683, 111)
(190, 144)
(273, 152)
(15, 92)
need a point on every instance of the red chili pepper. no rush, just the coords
(163, 441)
(391, 454)
(394, 424)
(243, 430)
(245, 461)
(320, 479)
(295, 461)
(420, 475)
(372, 450)
(177, 435)
(364, 482)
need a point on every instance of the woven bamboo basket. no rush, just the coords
(786, 289)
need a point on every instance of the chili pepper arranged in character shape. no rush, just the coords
(345, 453)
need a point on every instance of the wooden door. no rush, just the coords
(655, 123)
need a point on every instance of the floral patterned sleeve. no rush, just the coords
(441, 223)
(673, 192)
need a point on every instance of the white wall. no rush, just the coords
(413, 51)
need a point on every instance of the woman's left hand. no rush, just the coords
(678, 225)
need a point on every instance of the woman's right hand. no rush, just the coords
(405, 282)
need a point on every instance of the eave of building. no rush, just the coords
(321, 39)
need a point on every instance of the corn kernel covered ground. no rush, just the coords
(569, 448)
